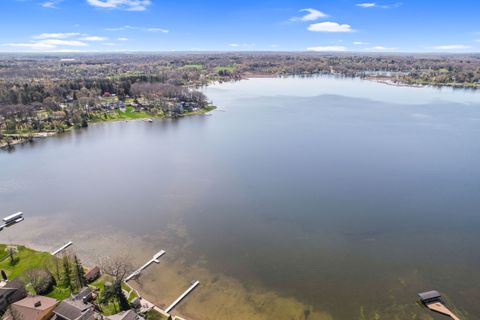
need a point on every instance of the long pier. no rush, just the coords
(155, 258)
(186, 293)
(441, 308)
(65, 246)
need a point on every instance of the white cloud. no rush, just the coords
(59, 42)
(31, 45)
(327, 48)
(358, 43)
(311, 15)
(156, 30)
(93, 38)
(56, 35)
(451, 47)
(128, 5)
(375, 5)
(367, 5)
(330, 27)
(242, 45)
(127, 27)
(122, 39)
(52, 4)
(380, 48)
(48, 44)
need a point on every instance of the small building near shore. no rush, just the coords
(92, 274)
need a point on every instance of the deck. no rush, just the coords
(441, 308)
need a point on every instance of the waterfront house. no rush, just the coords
(125, 315)
(86, 294)
(74, 309)
(32, 308)
(10, 292)
(93, 274)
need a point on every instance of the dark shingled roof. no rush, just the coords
(71, 310)
(124, 315)
(429, 295)
(13, 285)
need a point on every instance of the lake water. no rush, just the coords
(298, 198)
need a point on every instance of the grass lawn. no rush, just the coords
(130, 113)
(193, 66)
(229, 68)
(26, 259)
(154, 315)
(111, 308)
(59, 293)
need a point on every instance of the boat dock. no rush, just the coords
(182, 296)
(433, 301)
(155, 258)
(12, 219)
(65, 246)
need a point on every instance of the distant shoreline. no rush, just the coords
(19, 139)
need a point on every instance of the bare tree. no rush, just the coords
(118, 268)
(40, 279)
(11, 252)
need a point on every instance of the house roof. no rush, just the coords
(37, 303)
(84, 293)
(33, 307)
(429, 295)
(92, 273)
(72, 309)
(12, 286)
(124, 315)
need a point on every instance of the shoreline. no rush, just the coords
(20, 139)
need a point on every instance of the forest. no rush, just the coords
(51, 93)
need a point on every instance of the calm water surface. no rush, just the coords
(346, 195)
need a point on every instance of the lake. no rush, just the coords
(298, 198)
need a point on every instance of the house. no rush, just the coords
(124, 315)
(33, 308)
(92, 274)
(430, 297)
(86, 294)
(74, 309)
(58, 115)
(10, 292)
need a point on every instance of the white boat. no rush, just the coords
(148, 120)
(16, 217)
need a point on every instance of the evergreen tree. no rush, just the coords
(79, 272)
(67, 273)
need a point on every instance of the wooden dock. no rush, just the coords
(441, 308)
(433, 301)
(182, 296)
(65, 246)
(155, 258)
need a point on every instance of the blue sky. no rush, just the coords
(239, 25)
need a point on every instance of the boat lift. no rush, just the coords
(12, 219)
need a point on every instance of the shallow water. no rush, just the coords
(298, 198)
